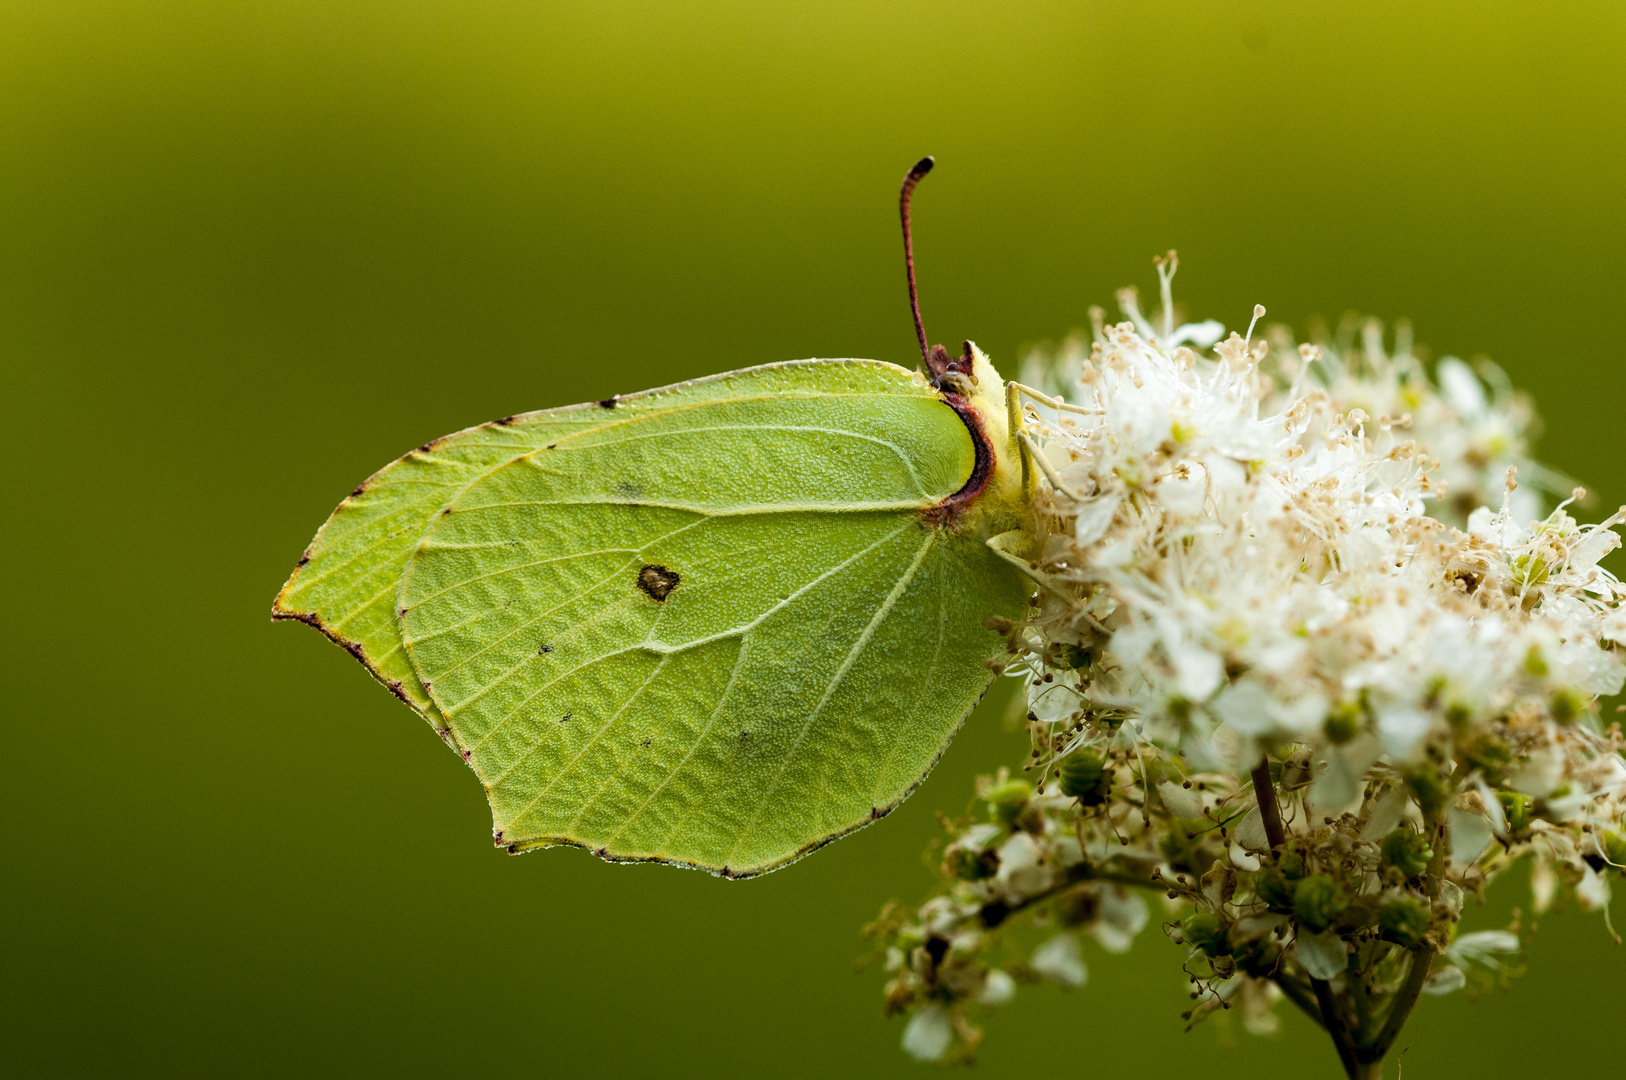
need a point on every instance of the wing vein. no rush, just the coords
(829, 691)
(526, 809)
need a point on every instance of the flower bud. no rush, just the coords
(1318, 900)
(1273, 887)
(1516, 807)
(1566, 705)
(1404, 920)
(1489, 754)
(1406, 851)
(1082, 774)
(1006, 801)
(968, 865)
(1529, 571)
(1291, 864)
(1207, 933)
(1429, 790)
(1535, 664)
(1069, 657)
(1614, 846)
(1343, 723)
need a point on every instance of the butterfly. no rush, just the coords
(717, 624)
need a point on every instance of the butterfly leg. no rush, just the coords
(1013, 420)
(1011, 547)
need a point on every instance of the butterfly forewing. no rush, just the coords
(716, 630)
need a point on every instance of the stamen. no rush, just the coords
(1247, 342)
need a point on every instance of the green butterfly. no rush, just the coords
(718, 624)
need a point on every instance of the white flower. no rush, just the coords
(998, 989)
(1061, 959)
(929, 1034)
(1310, 564)
(1123, 915)
(1485, 948)
(1021, 873)
(1322, 955)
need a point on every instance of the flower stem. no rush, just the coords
(1332, 1019)
(1405, 1000)
(1422, 957)
(1265, 792)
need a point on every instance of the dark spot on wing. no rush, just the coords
(657, 581)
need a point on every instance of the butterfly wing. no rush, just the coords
(346, 582)
(717, 630)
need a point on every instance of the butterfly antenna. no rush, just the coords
(922, 167)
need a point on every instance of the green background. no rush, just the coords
(249, 252)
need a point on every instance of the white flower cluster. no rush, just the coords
(1268, 683)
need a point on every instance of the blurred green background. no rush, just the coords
(250, 252)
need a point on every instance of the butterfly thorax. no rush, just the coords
(995, 498)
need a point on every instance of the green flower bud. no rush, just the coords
(1516, 808)
(1207, 933)
(1535, 664)
(1614, 846)
(1566, 705)
(1343, 723)
(1429, 791)
(968, 865)
(1274, 888)
(1406, 851)
(1529, 571)
(1069, 657)
(1291, 863)
(1006, 801)
(1489, 753)
(1318, 900)
(1081, 775)
(1404, 920)
(1182, 844)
